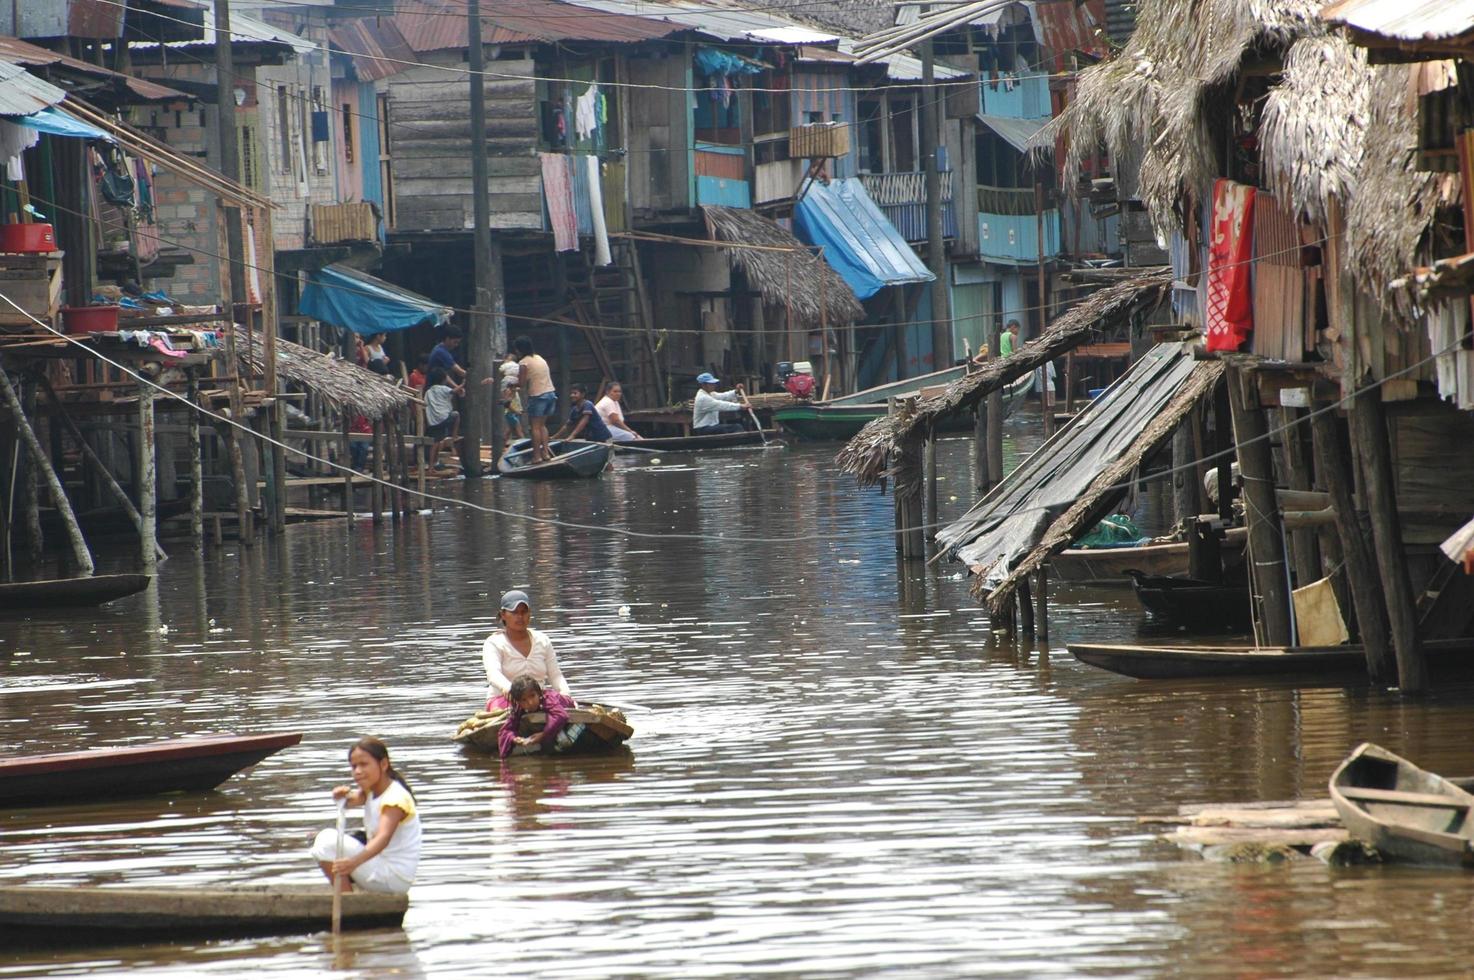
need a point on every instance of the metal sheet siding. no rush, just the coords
(22, 93)
(1279, 283)
(427, 28)
(1404, 20)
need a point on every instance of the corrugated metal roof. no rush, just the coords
(1404, 20)
(432, 26)
(1017, 132)
(22, 93)
(376, 47)
(21, 53)
(244, 30)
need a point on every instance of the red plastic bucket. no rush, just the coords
(27, 238)
(89, 319)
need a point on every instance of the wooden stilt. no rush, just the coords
(933, 511)
(1300, 466)
(1025, 598)
(376, 489)
(1369, 429)
(1223, 448)
(394, 446)
(217, 530)
(196, 465)
(80, 554)
(346, 459)
(148, 484)
(30, 499)
(266, 467)
(980, 449)
(278, 430)
(1041, 601)
(244, 518)
(1360, 573)
(422, 454)
(1185, 488)
(1266, 546)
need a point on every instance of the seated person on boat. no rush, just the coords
(385, 857)
(517, 649)
(528, 696)
(584, 421)
(706, 411)
(611, 410)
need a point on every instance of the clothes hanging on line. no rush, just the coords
(586, 113)
(558, 195)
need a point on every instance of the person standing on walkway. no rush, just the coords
(1008, 341)
(706, 412)
(443, 356)
(539, 397)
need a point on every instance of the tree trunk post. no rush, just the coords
(1269, 577)
(80, 554)
(148, 484)
(196, 464)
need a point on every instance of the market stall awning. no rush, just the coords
(1015, 132)
(365, 304)
(858, 240)
(1079, 476)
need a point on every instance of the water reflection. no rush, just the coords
(837, 768)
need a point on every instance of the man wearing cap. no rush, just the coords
(706, 415)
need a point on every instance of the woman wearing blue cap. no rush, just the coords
(706, 413)
(518, 650)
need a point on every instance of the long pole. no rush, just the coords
(226, 142)
(1046, 389)
(477, 342)
(936, 256)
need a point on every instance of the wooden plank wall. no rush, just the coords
(659, 134)
(430, 143)
(1279, 283)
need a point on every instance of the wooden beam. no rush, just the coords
(1268, 579)
(80, 554)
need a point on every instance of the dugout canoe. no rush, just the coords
(572, 459)
(1406, 813)
(176, 765)
(695, 444)
(604, 728)
(1112, 566)
(1190, 602)
(1153, 662)
(41, 914)
(91, 590)
(842, 418)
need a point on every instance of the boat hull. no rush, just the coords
(38, 914)
(1113, 566)
(572, 460)
(1406, 813)
(93, 590)
(692, 444)
(178, 765)
(604, 728)
(1164, 662)
(842, 419)
(1189, 602)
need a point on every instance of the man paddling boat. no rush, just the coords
(706, 412)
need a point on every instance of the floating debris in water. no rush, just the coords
(624, 611)
(654, 460)
(164, 630)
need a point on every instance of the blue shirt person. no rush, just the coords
(584, 422)
(443, 357)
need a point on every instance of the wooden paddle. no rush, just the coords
(753, 414)
(337, 878)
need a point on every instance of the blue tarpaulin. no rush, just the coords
(57, 123)
(346, 297)
(859, 242)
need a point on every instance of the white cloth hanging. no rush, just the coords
(596, 207)
(586, 113)
(15, 140)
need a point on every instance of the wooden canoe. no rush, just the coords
(92, 590)
(571, 459)
(842, 418)
(604, 729)
(38, 914)
(177, 765)
(696, 444)
(1111, 566)
(1190, 602)
(1180, 661)
(1404, 812)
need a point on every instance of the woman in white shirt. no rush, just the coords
(612, 412)
(387, 855)
(518, 649)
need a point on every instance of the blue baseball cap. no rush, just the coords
(706, 378)
(511, 600)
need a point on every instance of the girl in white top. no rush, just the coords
(518, 649)
(389, 854)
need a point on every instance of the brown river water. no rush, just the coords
(835, 772)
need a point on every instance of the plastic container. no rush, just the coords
(27, 238)
(1094, 393)
(89, 319)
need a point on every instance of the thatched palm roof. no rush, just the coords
(342, 385)
(865, 456)
(786, 272)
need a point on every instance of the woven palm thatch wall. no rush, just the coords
(342, 385)
(782, 268)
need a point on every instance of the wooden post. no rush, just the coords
(1041, 599)
(1369, 431)
(196, 464)
(266, 463)
(243, 515)
(994, 416)
(394, 446)
(1185, 488)
(980, 448)
(30, 495)
(148, 489)
(1046, 390)
(936, 256)
(421, 452)
(376, 489)
(80, 554)
(1299, 465)
(347, 461)
(1361, 569)
(1269, 577)
(1025, 606)
(279, 460)
(933, 511)
(1223, 449)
